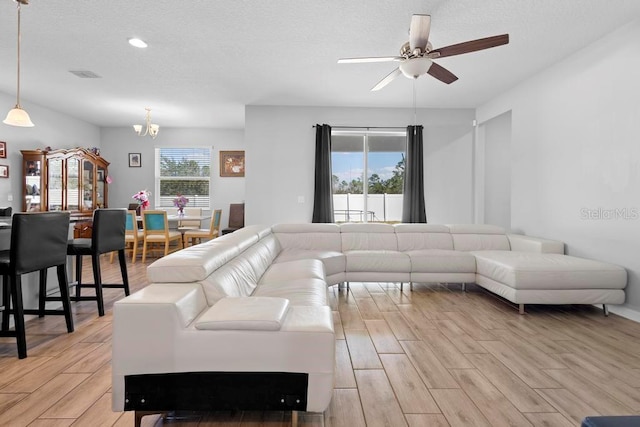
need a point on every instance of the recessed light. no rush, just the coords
(137, 43)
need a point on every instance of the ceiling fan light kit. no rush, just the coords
(417, 55)
(18, 116)
(415, 67)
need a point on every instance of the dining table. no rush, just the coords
(175, 218)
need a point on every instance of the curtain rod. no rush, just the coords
(366, 127)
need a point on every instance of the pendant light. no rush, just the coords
(17, 116)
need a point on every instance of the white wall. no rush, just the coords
(575, 147)
(280, 144)
(52, 129)
(448, 177)
(497, 171)
(117, 143)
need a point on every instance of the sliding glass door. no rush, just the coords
(368, 172)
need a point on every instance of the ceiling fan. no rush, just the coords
(417, 54)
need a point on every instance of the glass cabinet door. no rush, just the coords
(32, 185)
(87, 185)
(55, 187)
(73, 184)
(100, 184)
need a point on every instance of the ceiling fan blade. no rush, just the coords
(388, 79)
(442, 74)
(471, 46)
(369, 59)
(419, 32)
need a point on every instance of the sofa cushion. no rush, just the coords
(320, 237)
(192, 264)
(520, 243)
(251, 313)
(378, 260)
(370, 236)
(478, 237)
(262, 254)
(242, 238)
(525, 270)
(441, 261)
(334, 262)
(234, 279)
(299, 292)
(292, 270)
(413, 237)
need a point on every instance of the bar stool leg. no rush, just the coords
(97, 279)
(42, 292)
(63, 283)
(123, 269)
(18, 315)
(78, 277)
(6, 301)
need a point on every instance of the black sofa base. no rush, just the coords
(214, 391)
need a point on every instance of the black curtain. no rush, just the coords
(413, 208)
(322, 194)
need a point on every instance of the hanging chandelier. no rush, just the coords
(151, 129)
(17, 116)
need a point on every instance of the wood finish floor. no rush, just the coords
(432, 357)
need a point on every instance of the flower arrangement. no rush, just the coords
(180, 202)
(142, 197)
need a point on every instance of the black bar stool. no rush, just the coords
(107, 236)
(38, 241)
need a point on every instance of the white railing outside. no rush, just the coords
(380, 208)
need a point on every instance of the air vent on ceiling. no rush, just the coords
(85, 74)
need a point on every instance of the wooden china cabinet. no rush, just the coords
(64, 180)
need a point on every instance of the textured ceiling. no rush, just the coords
(206, 60)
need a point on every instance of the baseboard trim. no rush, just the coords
(625, 312)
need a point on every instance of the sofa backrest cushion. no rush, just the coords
(478, 237)
(192, 264)
(242, 238)
(261, 255)
(234, 279)
(412, 237)
(322, 237)
(196, 263)
(367, 236)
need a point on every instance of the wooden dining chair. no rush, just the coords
(156, 230)
(190, 224)
(194, 236)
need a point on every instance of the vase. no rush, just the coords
(180, 212)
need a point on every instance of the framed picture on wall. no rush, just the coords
(3, 150)
(135, 160)
(232, 163)
(4, 171)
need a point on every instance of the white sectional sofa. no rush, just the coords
(242, 321)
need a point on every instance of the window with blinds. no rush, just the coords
(183, 171)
